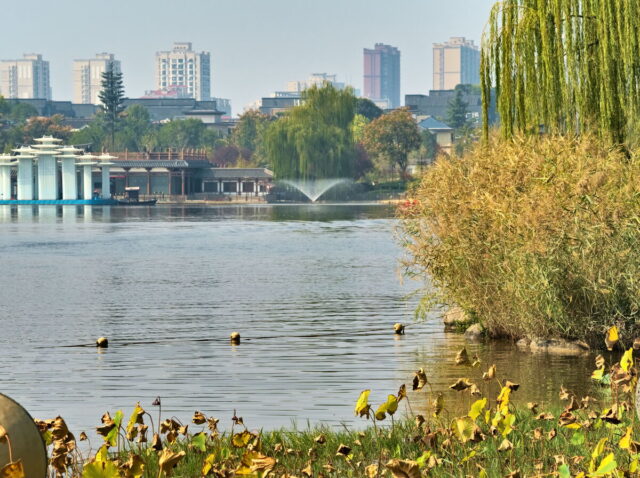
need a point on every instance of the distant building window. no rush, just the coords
(230, 187)
(248, 187)
(210, 187)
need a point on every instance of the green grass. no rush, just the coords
(295, 450)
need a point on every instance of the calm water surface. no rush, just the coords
(313, 289)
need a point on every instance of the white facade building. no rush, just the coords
(87, 77)
(25, 78)
(184, 69)
(316, 79)
(39, 168)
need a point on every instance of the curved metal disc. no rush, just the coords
(26, 442)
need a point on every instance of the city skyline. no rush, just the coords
(254, 50)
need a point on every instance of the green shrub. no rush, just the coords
(532, 236)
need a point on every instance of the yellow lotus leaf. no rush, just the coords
(611, 415)
(463, 428)
(545, 416)
(612, 337)
(462, 357)
(371, 471)
(633, 467)
(566, 419)
(136, 418)
(437, 404)
(134, 467)
(419, 379)
(362, 405)
(199, 441)
(403, 468)
(477, 408)
(102, 454)
(12, 470)
(598, 374)
(156, 443)
(469, 456)
(476, 361)
(168, 460)
(489, 374)
(506, 445)
(212, 423)
(59, 429)
(503, 398)
(261, 464)
(307, 470)
(381, 412)
(402, 392)
(198, 418)
(256, 464)
(461, 384)
(208, 464)
(606, 466)
(242, 439)
(392, 404)
(513, 386)
(626, 362)
(343, 450)
(625, 441)
(106, 469)
(505, 426)
(597, 451)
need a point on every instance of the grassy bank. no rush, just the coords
(533, 237)
(497, 437)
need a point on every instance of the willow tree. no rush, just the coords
(567, 66)
(315, 139)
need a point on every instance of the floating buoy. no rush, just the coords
(102, 343)
(398, 328)
(235, 338)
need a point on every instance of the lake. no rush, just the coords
(313, 289)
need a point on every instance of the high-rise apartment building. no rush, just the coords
(382, 74)
(87, 77)
(456, 62)
(183, 69)
(316, 79)
(25, 78)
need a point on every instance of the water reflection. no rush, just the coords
(313, 289)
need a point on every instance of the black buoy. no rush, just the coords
(235, 338)
(102, 343)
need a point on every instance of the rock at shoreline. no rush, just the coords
(556, 346)
(474, 332)
(455, 317)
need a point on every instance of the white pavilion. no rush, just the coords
(37, 172)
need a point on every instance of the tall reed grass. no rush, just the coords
(533, 237)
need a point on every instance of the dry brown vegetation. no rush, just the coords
(531, 236)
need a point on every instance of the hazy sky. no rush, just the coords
(256, 46)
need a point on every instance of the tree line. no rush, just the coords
(332, 134)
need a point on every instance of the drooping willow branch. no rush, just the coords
(568, 66)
